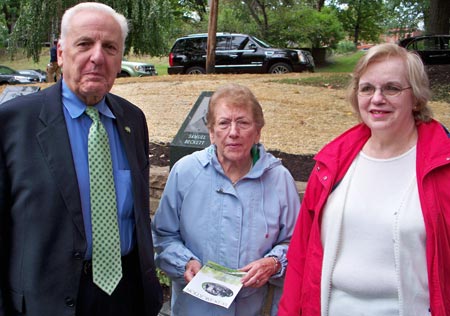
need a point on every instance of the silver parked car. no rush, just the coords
(42, 75)
(11, 76)
(136, 69)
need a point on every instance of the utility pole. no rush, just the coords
(211, 43)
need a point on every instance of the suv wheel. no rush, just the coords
(195, 71)
(280, 68)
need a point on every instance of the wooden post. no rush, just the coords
(211, 43)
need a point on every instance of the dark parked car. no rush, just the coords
(236, 53)
(11, 76)
(433, 49)
(42, 75)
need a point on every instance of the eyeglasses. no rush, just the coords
(241, 124)
(388, 91)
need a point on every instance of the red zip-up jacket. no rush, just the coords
(301, 294)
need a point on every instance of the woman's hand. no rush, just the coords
(192, 267)
(258, 272)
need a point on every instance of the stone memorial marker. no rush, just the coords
(193, 134)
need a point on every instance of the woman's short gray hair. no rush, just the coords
(238, 96)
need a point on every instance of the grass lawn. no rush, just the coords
(341, 63)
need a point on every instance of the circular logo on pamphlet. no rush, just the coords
(217, 289)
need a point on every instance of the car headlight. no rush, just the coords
(139, 68)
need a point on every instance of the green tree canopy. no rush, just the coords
(363, 20)
(305, 27)
(293, 24)
(39, 22)
(154, 24)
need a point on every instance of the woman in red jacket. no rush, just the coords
(373, 236)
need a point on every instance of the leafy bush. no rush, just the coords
(345, 46)
(163, 278)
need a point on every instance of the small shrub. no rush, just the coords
(344, 47)
(163, 278)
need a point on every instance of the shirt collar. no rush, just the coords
(76, 107)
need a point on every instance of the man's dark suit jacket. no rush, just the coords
(42, 238)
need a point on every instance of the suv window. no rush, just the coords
(433, 49)
(238, 42)
(191, 45)
(261, 43)
(445, 43)
(425, 44)
(222, 42)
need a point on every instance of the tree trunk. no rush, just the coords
(357, 24)
(439, 18)
(320, 4)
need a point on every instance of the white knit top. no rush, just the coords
(374, 241)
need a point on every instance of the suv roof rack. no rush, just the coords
(206, 34)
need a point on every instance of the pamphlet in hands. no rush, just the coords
(215, 284)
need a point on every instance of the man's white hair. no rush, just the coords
(91, 6)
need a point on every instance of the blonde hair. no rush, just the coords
(416, 76)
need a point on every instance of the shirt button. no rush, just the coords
(325, 178)
(77, 255)
(70, 302)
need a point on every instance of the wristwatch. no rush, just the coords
(277, 264)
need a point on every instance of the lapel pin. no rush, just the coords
(127, 129)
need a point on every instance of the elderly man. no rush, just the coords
(75, 234)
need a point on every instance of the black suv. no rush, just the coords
(236, 53)
(433, 49)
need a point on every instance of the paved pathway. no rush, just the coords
(165, 310)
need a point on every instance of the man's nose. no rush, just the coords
(97, 54)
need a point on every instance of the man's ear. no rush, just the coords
(59, 53)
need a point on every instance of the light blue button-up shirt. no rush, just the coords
(78, 124)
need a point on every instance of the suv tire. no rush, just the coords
(195, 71)
(280, 68)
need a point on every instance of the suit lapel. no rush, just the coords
(125, 128)
(55, 144)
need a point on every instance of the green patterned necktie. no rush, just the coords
(106, 258)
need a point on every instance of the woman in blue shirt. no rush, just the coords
(232, 203)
